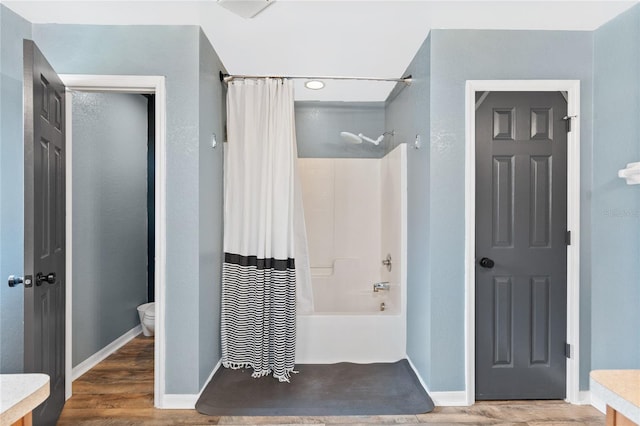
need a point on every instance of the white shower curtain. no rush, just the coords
(266, 267)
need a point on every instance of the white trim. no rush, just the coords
(179, 401)
(584, 398)
(68, 264)
(215, 369)
(213, 372)
(573, 251)
(127, 84)
(572, 87)
(103, 353)
(404, 194)
(449, 399)
(415, 371)
(441, 399)
(111, 83)
(598, 403)
(187, 401)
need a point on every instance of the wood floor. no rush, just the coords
(119, 391)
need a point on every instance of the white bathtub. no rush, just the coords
(355, 212)
(348, 323)
(355, 337)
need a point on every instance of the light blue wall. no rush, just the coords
(109, 155)
(174, 53)
(408, 113)
(318, 127)
(457, 56)
(12, 30)
(615, 324)
(212, 120)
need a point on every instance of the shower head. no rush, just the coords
(350, 138)
(356, 139)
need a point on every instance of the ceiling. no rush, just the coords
(348, 38)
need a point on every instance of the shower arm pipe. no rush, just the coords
(228, 77)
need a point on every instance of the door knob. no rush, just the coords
(42, 278)
(485, 262)
(14, 281)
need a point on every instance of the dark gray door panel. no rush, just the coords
(44, 223)
(521, 158)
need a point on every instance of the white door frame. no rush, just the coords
(572, 87)
(124, 84)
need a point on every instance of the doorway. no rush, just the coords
(151, 86)
(475, 90)
(112, 200)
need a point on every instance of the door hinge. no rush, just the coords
(567, 350)
(567, 238)
(567, 119)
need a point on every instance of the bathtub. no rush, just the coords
(347, 241)
(361, 337)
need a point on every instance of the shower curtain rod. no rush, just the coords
(227, 78)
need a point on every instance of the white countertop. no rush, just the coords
(619, 389)
(21, 393)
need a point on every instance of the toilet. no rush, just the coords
(147, 313)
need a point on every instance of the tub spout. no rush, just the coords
(384, 285)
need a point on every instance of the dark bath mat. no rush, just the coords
(343, 389)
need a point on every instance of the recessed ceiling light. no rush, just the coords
(314, 84)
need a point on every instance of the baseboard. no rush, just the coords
(99, 356)
(415, 371)
(442, 399)
(584, 398)
(216, 368)
(449, 399)
(186, 401)
(598, 404)
(179, 401)
(588, 398)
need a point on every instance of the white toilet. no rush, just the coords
(147, 313)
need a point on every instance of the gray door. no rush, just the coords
(521, 210)
(44, 225)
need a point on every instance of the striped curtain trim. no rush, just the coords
(259, 316)
(271, 263)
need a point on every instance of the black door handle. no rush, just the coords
(485, 262)
(42, 278)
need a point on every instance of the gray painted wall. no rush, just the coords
(109, 217)
(408, 113)
(318, 127)
(457, 56)
(212, 121)
(12, 30)
(616, 206)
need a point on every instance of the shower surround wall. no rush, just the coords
(343, 234)
(354, 214)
